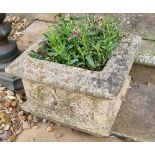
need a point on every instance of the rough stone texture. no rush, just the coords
(86, 113)
(142, 74)
(32, 34)
(105, 84)
(83, 99)
(142, 24)
(50, 17)
(137, 114)
(146, 54)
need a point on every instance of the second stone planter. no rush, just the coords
(82, 99)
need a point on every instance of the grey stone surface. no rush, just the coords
(86, 113)
(146, 54)
(50, 17)
(142, 74)
(137, 114)
(105, 84)
(32, 33)
(142, 24)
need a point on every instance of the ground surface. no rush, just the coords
(134, 119)
(61, 134)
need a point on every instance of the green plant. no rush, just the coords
(85, 42)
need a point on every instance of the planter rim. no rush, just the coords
(103, 84)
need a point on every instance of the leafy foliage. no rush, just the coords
(85, 42)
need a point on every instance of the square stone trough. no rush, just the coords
(82, 99)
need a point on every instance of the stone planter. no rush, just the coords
(79, 98)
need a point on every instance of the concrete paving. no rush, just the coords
(68, 135)
(136, 118)
(32, 33)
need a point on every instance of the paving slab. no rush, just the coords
(136, 118)
(50, 17)
(32, 33)
(146, 54)
(69, 135)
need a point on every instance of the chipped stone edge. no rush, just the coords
(104, 84)
(145, 59)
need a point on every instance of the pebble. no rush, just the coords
(10, 109)
(12, 138)
(50, 129)
(18, 25)
(11, 97)
(19, 34)
(1, 131)
(1, 106)
(30, 117)
(45, 121)
(7, 104)
(20, 113)
(6, 127)
(4, 136)
(35, 119)
(12, 119)
(18, 131)
(3, 99)
(2, 88)
(22, 117)
(3, 125)
(129, 87)
(25, 125)
(13, 104)
(10, 93)
(2, 93)
(58, 135)
(4, 117)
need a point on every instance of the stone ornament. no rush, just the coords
(79, 98)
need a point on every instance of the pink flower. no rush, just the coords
(74, 34)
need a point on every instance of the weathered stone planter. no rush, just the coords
(83, 99)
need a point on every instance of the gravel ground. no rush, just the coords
(12, 119)
(18, 25)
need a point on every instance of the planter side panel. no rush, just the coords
(86, 113)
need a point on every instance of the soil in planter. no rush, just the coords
(86, 42)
